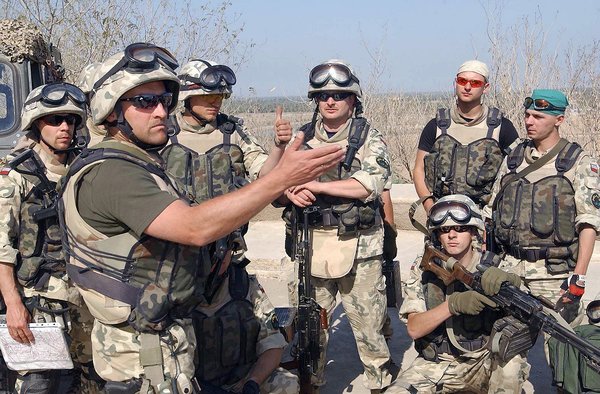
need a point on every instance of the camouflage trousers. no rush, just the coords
(116, 351)
(281, 381)
(363, 296)
(481, 374)
(78, 321)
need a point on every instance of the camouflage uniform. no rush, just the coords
(268, 337)
(586, 185)
(360, 283)
(59, 292)
(476, 371)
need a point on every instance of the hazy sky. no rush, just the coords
(421, 43)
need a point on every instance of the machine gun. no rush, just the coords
(523, 306)
(29, 165)
(311, 318)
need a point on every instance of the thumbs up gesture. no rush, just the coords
(283, 129)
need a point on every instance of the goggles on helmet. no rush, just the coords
(56, 94)
(139, 57)
(340, 74)
(459, 212)
(211, 78)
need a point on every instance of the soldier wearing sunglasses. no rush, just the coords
(347, 231)
(137, 243)
(461, 149)
(33, 281)
(451, 325)
(545, 207)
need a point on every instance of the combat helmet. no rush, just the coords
(202, 77)
(138, 64)
(455, 209)
(86, 77)
(333, 75)
(55, 98)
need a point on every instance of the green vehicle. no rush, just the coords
(26, 61)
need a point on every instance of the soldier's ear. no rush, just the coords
(559, 120)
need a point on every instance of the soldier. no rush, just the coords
(136, 243)
(236, 300)
(204, 86)
(450, 324)
(33, 280)
(347, 231)
(461, 149)
(86, 82)
(545, 206)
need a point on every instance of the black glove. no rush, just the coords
(493, 277)
(251, 387)
(389, 242)
(468, 303)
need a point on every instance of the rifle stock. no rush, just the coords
(311, 317)
(515, 302)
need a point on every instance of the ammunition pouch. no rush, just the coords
(151, 312)
(130, 386)
(510, 337)
(559, 259)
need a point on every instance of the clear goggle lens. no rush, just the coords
(440, 212)
(339, 73)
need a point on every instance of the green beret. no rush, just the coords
(556, 98)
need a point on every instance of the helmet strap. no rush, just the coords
(195, 115)
(125, 128)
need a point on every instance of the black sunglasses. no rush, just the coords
(541, 105)
(338, 96)
(458, 229)
(150, 101)
(57, 120)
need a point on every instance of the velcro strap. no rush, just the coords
(112, 288)
(530, 255)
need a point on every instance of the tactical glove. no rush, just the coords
(574, 286)
(251, 387)
(468, 303)
(389, 242)
(493, 277)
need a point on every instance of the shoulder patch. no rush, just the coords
(594, 167)
(596, 200)
(5, 170)
(383, 162)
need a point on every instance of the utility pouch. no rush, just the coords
(152, 310)
(510, 337)
(430, 166)
(130, 386)
(348, 218)
(366, 216)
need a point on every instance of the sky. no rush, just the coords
(418, 43)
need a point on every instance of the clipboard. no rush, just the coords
(50, 350)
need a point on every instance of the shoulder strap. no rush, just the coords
(239, 283)
(309, 131)
(516, 156)
(228, 124)
(567, 157)
(442, 119)
(494, 119)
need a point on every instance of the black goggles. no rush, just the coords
(338, 73)
(58, 93)
(541, 105)
(459, 212)
(57, 120)
(150, 101)
(211, 78)
(140, 57)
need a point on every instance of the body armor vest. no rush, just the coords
(143, 280)
(464, 163)
(39, 239)
(535, 215)
(214, 142)
(349, 215)
(228, 338)
(472, 332)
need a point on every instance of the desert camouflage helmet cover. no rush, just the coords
(194, 68)
(352, 87)
(460, 199)
(106, 96)
(86, 77)
(38, 109)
